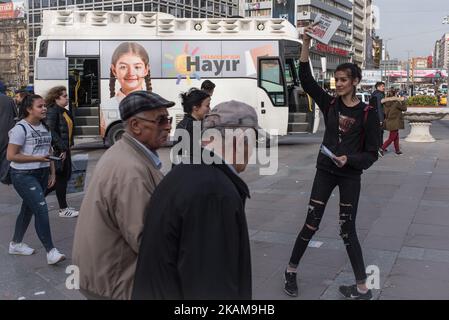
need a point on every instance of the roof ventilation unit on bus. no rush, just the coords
(99, 18)
(277, 25)
(64, 18)
(114, 17)
(213, 25)
(148, 19)
(166, 25)
(181, 24)
(230, 26)
(245, 24)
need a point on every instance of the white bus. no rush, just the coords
(102, 56)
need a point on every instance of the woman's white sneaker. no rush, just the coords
(68, 213)
(54, 256)
(20, 249)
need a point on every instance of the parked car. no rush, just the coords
(363, 96)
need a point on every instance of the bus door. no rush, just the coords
(84, 93)
(301, 113)
(272, 95)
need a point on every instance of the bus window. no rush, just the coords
(271, 80)
(288, 75)
(43, 48)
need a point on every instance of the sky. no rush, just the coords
(412, 25)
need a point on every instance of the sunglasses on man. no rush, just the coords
(160, 121)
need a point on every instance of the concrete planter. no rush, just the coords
(420, 119)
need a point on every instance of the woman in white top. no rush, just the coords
(31, 174)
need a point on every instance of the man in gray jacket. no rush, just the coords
(110, 223)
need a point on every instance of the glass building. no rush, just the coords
(177, 8)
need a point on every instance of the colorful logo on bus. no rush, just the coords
(179, 65)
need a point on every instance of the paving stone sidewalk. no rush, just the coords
(402, 222)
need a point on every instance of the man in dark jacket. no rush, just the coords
(376, 101)
(195, 242)
(7, 116)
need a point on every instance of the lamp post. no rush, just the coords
(387, 58)
(408, 71)
(446, 21)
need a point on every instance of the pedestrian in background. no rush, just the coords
(195, 243)
(208, 86)
(376, 101)
(60, 123)
(394, 119)
(109, 228)
(31, 174)
(352, 135)
(8, 114)
(196, 104)
(18, 98)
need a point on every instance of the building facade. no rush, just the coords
(339, 49)
(436, 55)
(419, 63)
(377, 52)
(363, 22)
(393, 64)
(444, 52)
(358, 31)
(14, 66)
(177, 8)
(258, 8)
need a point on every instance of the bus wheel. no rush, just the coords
(115, 133)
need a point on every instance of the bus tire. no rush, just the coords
(115, 133)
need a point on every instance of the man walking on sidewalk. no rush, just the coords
(110, 222)
(376, 101)
(195, 243)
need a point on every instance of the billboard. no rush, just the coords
(12, 10)
(285, 9)
(370, 77)
(128, 66)
(428, 73)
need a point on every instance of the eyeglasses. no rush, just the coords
(64, 96)
(161, 121)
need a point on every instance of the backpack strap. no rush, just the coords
(23, 127)
(365, 119)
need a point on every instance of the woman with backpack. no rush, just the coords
(350, 145)
(31, 174)
(61, 126)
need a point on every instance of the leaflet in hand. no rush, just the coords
(324, 150)
(324, 28)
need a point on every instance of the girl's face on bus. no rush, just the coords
(344, 83)
(130, 71)
(201, 110)
(38, 110)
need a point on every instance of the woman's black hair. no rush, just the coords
(27, 102)
(192, 98)
(353, 71)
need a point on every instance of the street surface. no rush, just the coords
(402, 222)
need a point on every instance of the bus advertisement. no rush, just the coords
(101, 63)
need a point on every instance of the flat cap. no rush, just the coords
(232, 114)
(139, 101)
